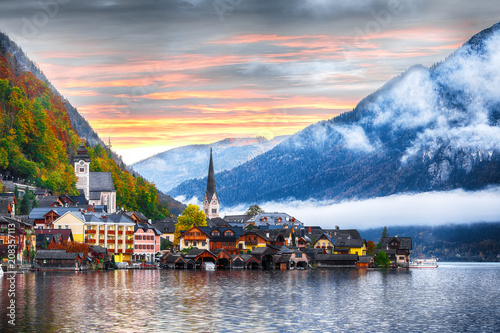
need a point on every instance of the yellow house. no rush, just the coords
(324, 242)
(351, 246)
(72, 220)
(251, 240)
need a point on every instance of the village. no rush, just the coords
(89, 231)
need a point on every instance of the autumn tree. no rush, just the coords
(254, 210)
(191, 216)
(370, 247)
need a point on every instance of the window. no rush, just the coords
(228, 233)
(214, 210)
(66, 226)
(203, 243)
(194, 243)
(167, 238)
(240, 246)
(215, 233)
(186, 243)
(298, 255)
(59, 227)
(82, 170)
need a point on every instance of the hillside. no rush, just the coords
(427, 129)
(174, 166)
(38, 140)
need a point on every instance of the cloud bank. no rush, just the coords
(430, 208)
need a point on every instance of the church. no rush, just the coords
(98, 187)
(211, 200)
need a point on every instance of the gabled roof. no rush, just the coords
(57, 254)
(146, 227)
(101, 182)
(216, 222)
(237, 218)
(405, 243)
(98, 249)
(165, 227)
(275, 218)
(351, 243)
(63, 234)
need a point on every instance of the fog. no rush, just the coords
(430, 208)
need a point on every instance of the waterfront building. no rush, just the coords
(146, 242)
(74, 221)
(253, 239)
(167, 228)
(195, 237)
(350, 246)
(211, 200)
(397, 249)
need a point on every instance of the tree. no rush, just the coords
(165, 244)
(381, 260)
(385, 233)
(370, 247)
(44, 243)
(254, 210)
(191, 216)
(25, 205)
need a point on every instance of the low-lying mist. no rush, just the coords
(429, 208)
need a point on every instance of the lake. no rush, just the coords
(456, 297)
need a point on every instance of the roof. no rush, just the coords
(39, 212)
(365, 259)
(217, 221)
(81, 154)
(237, 218)
(146, 227)
(165, 227)
(57, 254)
(118, 217)
(98, 249)
(238, 231)
(337, 257)
(101, 182)
(47, 201)
(275, 218)
(350, 243)
(59, 234)
(405, 243)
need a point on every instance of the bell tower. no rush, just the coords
(82, 169)
(211, 200)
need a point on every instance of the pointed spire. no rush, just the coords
(211, 177)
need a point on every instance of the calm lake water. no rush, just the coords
(452, 298)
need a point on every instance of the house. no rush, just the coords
(44, 217)
(266, 256)
(167, 228)
(350, 246)
(291, 259)
(146, 242)
(336, 260)
(59, 260)
(302, 242)
(12, 232)
(8, 204)
(282, 219)
(251, 240)
(52, 236)
(99, 253)
(397, 249)
(73, 220)
(224, 238)
(325, 242)
(115, 232)
(196, 238)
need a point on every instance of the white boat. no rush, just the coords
(424, 263)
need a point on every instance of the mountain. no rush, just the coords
(453, 242)
(38, 138)
(172, 167)
(427, 129)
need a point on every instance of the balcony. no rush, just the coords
(101, 232)
(129, 232)
(111, 250)
(91, 232)
(101, 241)
(120, 251)
(111, 232)
(90, 241)
(129, 251)
(129, 241)
(253, 242)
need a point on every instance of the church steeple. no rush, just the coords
(211, 200)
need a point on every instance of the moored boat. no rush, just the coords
(424, 263)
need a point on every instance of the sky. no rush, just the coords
(155, 74)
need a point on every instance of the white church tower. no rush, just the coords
(82, 170)
(211, 201)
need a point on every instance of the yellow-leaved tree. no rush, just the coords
(191, 216)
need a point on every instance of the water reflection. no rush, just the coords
(448, 299)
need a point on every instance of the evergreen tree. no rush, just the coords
(25, 205)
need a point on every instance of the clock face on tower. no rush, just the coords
(82, 162)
